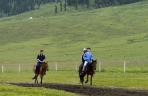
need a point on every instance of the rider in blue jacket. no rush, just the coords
(88, 57)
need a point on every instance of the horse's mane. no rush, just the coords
(94, 60)
(46, 62)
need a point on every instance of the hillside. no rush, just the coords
(118, 32)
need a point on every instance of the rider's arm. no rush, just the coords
(38, 59)
(44, 59)
(91, 56)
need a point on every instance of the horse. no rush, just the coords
(43, 68)
(89, 70)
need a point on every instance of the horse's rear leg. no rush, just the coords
(41, 79)
(87, 79)
(91, 80)
(36, 81)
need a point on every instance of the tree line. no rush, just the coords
(13, 7)
(99, 3)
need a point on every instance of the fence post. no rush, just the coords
(19, 68)
(124, 67)
(2, 68)
(56, 66)
(76, 66)
(100, 66)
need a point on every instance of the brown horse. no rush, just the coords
(89, 70)
(43, 68)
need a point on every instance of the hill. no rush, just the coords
(113, 33)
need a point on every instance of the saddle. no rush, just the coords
(88, 67)
(34, 68)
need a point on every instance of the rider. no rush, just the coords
(82, 61)
(84, 50)
(88, 57)
(40, 59)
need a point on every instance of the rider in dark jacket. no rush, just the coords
(40, 59)
(84, 50)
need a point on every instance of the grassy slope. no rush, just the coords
(118, 31)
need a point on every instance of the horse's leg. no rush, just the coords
(87, 79)
(80, 76)
(36, 79)
(41, 78)
(91, 80)
(82, 79)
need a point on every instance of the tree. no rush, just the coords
(65, 5)
(60, 5)
(88, 3)
(56, 9)
(76, 4)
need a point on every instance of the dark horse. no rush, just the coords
(89, 70)
(43, 68)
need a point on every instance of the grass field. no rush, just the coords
(115, 34)
(105, 79)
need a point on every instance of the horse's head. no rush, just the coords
(46, 65)
(94, 64)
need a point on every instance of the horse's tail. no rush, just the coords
(34, 68)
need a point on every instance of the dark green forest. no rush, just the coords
(13, 7)
(99, 3)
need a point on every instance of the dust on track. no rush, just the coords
(88, 90)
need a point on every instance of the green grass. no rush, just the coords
(115, 34)
(108, 31)
(105, 79)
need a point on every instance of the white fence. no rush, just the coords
(102, 66)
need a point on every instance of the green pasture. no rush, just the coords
(104, 79)
(115, 34)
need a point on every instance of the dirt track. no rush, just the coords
(89, 90)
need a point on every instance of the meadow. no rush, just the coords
(115, 34)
